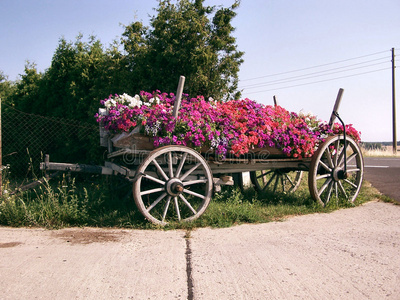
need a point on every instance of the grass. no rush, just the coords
(107, 202)
(380, 152)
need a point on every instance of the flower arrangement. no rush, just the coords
(233, 127)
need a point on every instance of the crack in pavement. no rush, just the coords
(189, 277)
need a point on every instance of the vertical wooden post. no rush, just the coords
(178, 96)
(275, 101)
(394, 104)
(336, 107)
(1, 158)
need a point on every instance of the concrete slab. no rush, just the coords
(347, 254)
(92, 263)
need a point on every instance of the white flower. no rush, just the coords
(109, 103)
(156, 99)
(134, 101)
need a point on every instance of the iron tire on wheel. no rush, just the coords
(327, 179)
(173, 183)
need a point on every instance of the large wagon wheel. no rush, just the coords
(276, 180)
(174, 183)
(327, 178)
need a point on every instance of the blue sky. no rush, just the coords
(335, 44)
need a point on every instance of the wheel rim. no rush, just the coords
(327, 179)
(276, 181)
(174, 183)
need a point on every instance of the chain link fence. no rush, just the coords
(26, 138)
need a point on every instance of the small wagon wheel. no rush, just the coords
(328, 178)
(276, 180)
(174, 183)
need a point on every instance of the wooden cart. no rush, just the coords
(176, 183)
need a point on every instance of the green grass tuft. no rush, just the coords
(107, 202)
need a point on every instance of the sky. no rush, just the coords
(302, 52)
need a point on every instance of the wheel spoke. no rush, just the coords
(190, 171)
(336, 191)
(329, 193)
(341, 157)
(156, 202)
(178, 171)
(170, 169)
(276, 182)
(166, 208)
(264, 174)
(151, 191)
(187, 204)
(329, 157)
(342, 190)
(177, 208)
(154, 179)
(337, 144)
(193, 193)
(351, 157)
(289, 179)
(323, 176)
(326, 167)
(269, 181)
(194, 182)
(283, 181)
(351, 183)
(353, 170)
(324, 186)
(160, 169)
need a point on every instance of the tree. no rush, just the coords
(81, 73)
(7, 88)
(27, 88)
(184, 40)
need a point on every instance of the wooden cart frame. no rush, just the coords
(176, 183)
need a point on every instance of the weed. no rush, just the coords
(108, 202)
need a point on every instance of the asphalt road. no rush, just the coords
(384, 174)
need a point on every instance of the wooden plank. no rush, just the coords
(82, 168)
(133, 141)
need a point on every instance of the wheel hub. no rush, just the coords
(174, 187)
(339, 174)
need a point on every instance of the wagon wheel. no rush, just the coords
(327, 179)
(174, 183)
(276, 180)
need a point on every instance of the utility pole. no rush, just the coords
(394, 104)
(1, 161)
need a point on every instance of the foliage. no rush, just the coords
(7, 88)
(183, 40)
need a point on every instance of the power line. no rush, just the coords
(308, 83)
(338, 68)
(307, 76)
(313, 67)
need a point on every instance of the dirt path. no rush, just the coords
(348, 254)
